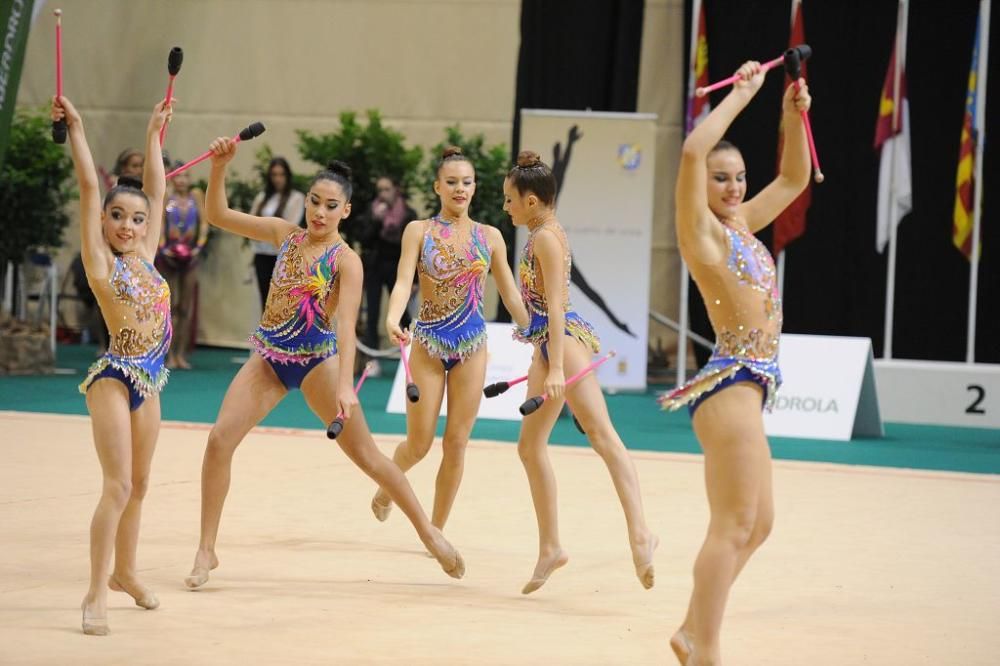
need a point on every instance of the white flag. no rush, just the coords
(895, 158)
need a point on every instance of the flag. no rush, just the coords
(962, 227)
(892, 137)
(791, 222)
(697, 107)
(15, 21)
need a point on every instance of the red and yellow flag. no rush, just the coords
(697, 107)
(962, 227)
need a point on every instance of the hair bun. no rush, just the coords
(129, 181)
(449, 151)
(340, 168)
(527, 159)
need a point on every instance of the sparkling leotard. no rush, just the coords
(180, 232)
(294, 327)
(452, 269)
(741, 295)
(140, 329)
(533, 294)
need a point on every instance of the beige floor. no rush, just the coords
(866, 566)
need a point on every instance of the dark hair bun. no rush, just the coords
(450, 151)
(340, 168)
(130, 182)
(527, 159)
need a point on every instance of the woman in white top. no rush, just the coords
(277, 200)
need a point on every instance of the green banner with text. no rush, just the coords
(15, 21)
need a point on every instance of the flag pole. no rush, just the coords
(781, 255)
(781, 274)
(897, 112)
(682, 334)
(977, 192)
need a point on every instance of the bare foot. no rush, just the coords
(544, 569)
(182, 363)
(447, 555)
(203, 563)
(381, 505)
(95, 618)
(143, 596)
(680, 643)
(642, 557)
(171, 363)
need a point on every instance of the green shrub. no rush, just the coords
(36, 184)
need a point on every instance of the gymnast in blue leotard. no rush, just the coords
(736, 277)
(564, 344)
(451, 254)
(184, 236)
(317, 281)
(118, 243)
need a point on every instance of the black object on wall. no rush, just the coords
(578, 58)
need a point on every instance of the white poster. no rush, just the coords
(828, 390)
(604, 166)
(940, 393)
(507, 359)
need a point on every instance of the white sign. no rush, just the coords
(961, 394)
(828, 390)
(605, 170)
(507, 359)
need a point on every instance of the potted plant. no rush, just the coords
(371, 150)
(36, 184)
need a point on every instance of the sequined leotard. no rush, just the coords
(181, 232)
(295, 333)
(452, 269)
(533, 294)
(741, 294)
(140, 330)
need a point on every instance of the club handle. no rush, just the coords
(174, 60)
(59, 131)
(335, 428)
(493, 390)
(412, 392)
(531, 404)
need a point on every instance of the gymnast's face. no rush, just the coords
(455, 185)
(133, 166)
(326, 206)
(727, 182)
(522, 209)
(181, 182)
(124, 222)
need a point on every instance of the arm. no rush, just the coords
(504, 278)
(695, 229)
(351, 280)
(412, 237)
(552, 260)
(217, 210)
(163, 232)
(94, 250)
(199, 202)
(795, 166)
(154, 184)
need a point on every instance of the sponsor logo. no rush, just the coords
(795, 403)
(629, 156)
